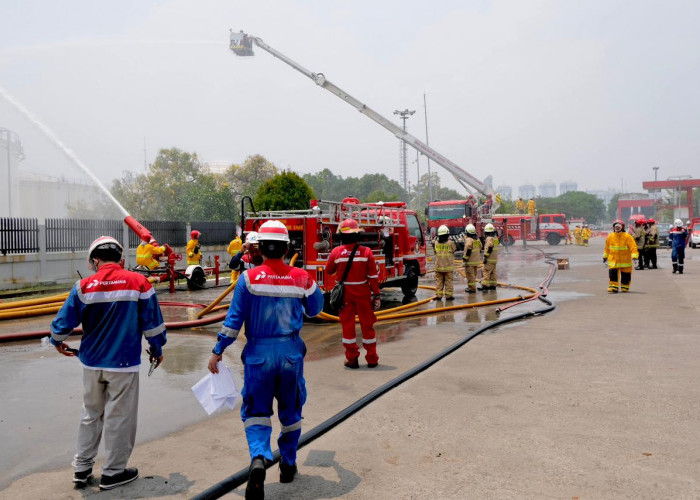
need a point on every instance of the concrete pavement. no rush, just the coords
(598, 399)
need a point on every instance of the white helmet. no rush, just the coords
(678, 223)
(252, 238)
(443, 230)
(273, 230)
(471, 229)
(488, 228)
(104, 242)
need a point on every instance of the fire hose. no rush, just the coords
(232, 482)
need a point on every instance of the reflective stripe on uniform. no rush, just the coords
(369, 341)
(290, 428)
(264, 421)
(229, 332)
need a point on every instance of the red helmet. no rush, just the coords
(639, 222)
(195, 235)
(618, 221)
(651, 221)
(349, 226)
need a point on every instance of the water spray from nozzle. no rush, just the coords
(52, 137)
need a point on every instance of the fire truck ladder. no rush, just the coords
(242, 44)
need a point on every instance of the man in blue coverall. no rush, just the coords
(677, 240)
(272, 300)
(116, 308)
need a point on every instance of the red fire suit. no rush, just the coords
(360, 286)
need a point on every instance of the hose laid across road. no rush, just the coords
(240, 477)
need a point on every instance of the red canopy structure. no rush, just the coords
(686, 185)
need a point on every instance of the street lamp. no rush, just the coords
(656, 170)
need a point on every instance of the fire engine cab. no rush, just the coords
(389, 229)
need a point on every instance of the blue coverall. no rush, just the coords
(272, 300)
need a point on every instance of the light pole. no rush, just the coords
(404, 174)
(656, 170)
(430, 180)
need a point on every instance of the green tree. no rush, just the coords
(612, 207)
(285, 191)
(246, 179)
(329, 186)
(379, 195)
(574, 204)
(176, 187)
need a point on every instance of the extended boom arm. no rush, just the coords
(242, 45)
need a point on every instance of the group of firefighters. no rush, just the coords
(581, 235)
(149, 255)
(476, 254)
(530, 206)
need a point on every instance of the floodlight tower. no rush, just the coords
(405, 114)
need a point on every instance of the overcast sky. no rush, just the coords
(594, 91)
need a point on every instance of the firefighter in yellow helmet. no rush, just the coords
(620, 250)
(577, 235)
(488, 278)
(194, 249)
(444, 264)
(585, 234)
(471, 257)
(148, 255)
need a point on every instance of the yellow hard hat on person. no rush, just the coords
(489, 228)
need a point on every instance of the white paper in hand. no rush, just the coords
(216, 390)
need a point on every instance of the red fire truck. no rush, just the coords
(551, 228)
(390, 229)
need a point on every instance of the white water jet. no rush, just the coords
(52, 137)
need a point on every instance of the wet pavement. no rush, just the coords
(42, 389)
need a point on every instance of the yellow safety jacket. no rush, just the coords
(520, 205)
(444, 256)
(145, 255)
(652, 239)
(577, 232)
(620, 249)
(235, 246)
(531, 207)
(194, 253)
(586, 233)
(474, 258)
(491, 249)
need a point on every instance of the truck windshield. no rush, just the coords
(446, 212)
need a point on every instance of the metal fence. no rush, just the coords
(19, 235)
(72, 235)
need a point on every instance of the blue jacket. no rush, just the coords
(116, 307)
(272, 299)
(678, 237)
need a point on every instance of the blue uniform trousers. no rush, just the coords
(273, 369)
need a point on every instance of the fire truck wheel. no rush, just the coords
(410, 285)
(553, 238)
(197, 280)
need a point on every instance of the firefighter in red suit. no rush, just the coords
(361, 296)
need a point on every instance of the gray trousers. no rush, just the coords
(110, 406)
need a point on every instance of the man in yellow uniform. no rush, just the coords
(148, 255)
(194, 249)
(520, 206)
(585, 234)
(577, 235)
(233, 248)
(471, 257)
(488, 279)
(620, 250)
(531, 206)
(444, 264)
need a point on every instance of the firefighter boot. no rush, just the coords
(675, 268)
(256, 480)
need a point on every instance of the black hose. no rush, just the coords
(240, 477)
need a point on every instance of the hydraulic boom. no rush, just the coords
(242, 44)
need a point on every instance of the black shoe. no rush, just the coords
(352, 363)
(680, 271)
(372, 365)
(82, 478)
(124, 477)
(467, 290)
(449, 298)
(287, 472)
(256, 480)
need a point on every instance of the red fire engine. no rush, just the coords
(551, 228)
(390, 229)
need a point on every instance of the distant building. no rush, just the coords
(42, 196)
(548, 190)
(629, 204)
(527, 191)
(606, 195)
(566, 186)
(217, 167)
(489, 181)
(506, 192)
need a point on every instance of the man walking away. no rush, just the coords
(116, 307)
(272, 300)
(678, 239)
